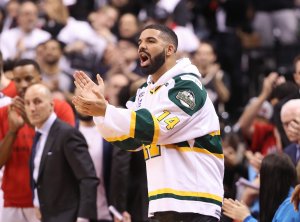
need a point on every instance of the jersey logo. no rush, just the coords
(140, 99)
(187, 99)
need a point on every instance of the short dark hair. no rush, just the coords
(284, 90)
(60, 44)
(167, 34)
(25, 62)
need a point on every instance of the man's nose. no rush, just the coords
(24, 84)
(141, 47)
(31, 107)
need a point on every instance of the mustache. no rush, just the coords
(144, 51)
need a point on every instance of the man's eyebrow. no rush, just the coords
(151, 38)
(148, 38)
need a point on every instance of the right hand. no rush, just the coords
(15, 120)
(295, 199)
(293, 129)
(235, 209)
(269, 83)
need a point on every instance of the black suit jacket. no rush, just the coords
(67, 179)
(291, 151)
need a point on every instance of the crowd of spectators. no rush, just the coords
(245, 50)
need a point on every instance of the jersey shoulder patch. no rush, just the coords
(188, 93)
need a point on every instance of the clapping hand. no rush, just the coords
(90, 100)
(235, 209)
(295, 199)
(15, 120)
(16, 114)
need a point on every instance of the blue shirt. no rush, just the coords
(284, 213)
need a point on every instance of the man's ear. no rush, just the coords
(170, 50)
(52, 105)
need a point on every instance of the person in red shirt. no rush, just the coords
(10, 90)
(16, 136)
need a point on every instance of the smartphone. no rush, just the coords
(116, 213)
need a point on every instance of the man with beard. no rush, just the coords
(53, 76)
(174, 122)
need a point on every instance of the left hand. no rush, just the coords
(235, 209)
(90, 100)
(86, 86)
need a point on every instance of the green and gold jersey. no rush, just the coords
(175, 124)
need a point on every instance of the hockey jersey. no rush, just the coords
(176, 125)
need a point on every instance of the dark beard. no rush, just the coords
(155, 64)
(84, 118)
(51, 62)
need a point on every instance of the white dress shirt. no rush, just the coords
(95, 144)
(44, 130)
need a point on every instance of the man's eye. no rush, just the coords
(28, 78)
(37, 102)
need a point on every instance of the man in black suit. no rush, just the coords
(63, 177)
(290, 118)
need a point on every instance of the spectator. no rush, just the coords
(103, 21)
(128, 26)
(290, 118)
(280, 95)
(10, 18)
(83, 49)
(215, 80)
(275, 201)
(55, 16)
(20, 42)
(235, 166)
(59, 150)
(4, 100)
(255, 120)
(52, 74)
(16, 137)
(127, 64)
